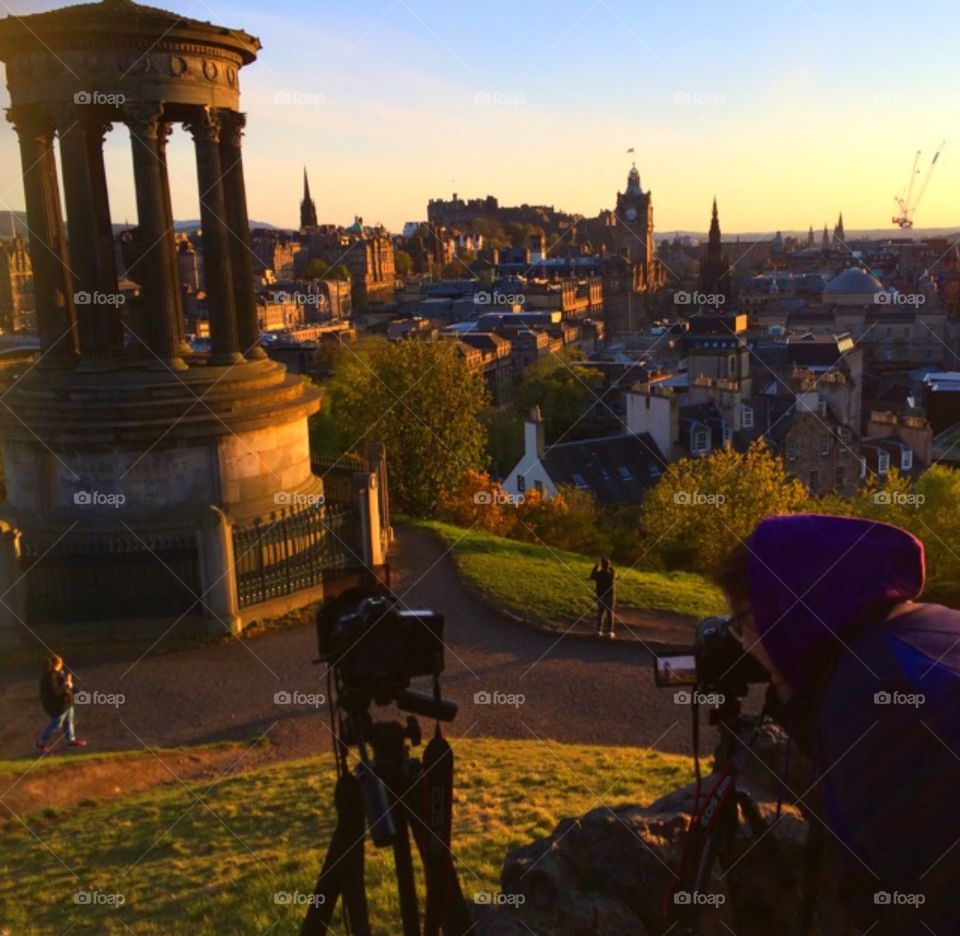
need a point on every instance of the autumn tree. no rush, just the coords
(419, 399)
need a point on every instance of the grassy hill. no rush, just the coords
(207, 858)
(537, 583)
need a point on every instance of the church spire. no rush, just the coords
(308, 210)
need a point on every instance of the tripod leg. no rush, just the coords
(343, 869)
(406, 882)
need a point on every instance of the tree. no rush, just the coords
(562, 390)
(318, 269)
(421, 401)
(701, 507)
(402, 262)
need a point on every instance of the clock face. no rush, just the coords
(631, 214)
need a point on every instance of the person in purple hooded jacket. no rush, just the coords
(867, 684)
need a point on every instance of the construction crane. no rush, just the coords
(908, 203)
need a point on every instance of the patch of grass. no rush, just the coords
(538, 583)
(209, 868)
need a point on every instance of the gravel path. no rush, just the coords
(568, 689)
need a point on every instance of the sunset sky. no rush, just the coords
(787, 112)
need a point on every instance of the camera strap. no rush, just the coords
(445, 907)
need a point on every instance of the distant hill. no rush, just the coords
(15, 222)
(870, 233)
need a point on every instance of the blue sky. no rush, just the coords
(788, 112)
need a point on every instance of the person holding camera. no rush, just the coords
(866, 682)
(56, 696)
(604, 578)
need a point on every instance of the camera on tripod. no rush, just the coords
(717, 661)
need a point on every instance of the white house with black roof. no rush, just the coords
(618, 469)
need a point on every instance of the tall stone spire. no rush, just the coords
(308, 210)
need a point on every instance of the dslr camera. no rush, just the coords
(717, 662)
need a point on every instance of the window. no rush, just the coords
(826, 443)
(883, 463)
(647, 400)
(906, 460)
(792, 449)
(579, 481)
(700, 441)
(727, 433)
(746, 417)
(521, 483)
(814, 483)
(906, 332)
(538, 486)
(625, 473)
(840, 477)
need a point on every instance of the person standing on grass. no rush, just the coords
(604, 578)
(56, 696)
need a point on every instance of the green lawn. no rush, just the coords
(186, 870)
(538, 584)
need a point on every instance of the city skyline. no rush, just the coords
(788, 116)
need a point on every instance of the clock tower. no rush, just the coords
(634, 221)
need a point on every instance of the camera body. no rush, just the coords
(375, 646)
(717, 661)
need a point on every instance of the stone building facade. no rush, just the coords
(17, 311)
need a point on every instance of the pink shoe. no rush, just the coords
(77, 742)
(40, 746)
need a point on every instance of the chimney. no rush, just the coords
(533, 437)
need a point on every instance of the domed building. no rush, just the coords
(853, 286)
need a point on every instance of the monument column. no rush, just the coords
(52, 280)
(217, 267)
(241, 250)
(165, 131)
(96, 298)
(161, 286)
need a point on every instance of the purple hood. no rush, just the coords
(814, 577)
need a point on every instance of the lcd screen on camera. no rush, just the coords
(675, 670)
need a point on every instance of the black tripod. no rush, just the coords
(715, 820)
(392, 794)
